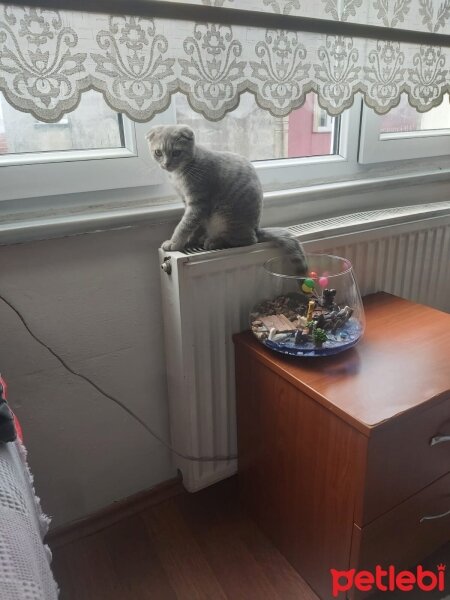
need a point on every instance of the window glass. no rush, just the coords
(248, 130)
(92, 125)
(258, 135)
(405, 119)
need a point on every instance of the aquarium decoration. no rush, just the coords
(309, 317)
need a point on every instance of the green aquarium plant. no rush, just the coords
(319, 336)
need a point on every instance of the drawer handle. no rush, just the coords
(438, 439)
(431, 517)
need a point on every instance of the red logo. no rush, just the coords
(388, 579)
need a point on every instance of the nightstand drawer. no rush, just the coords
(405, 456)
(409, 532)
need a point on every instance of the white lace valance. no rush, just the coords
(49, 57)
(412, 15)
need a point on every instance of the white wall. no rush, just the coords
(95, 299)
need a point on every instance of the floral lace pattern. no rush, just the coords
(48, 58)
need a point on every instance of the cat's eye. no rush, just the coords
(158, 153)
(176, 153)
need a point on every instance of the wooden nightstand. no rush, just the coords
(344, 459)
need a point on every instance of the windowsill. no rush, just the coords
(285, 207)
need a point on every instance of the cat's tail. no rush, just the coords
(289, 244)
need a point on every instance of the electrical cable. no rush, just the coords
(119, 403)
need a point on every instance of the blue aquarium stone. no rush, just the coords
(342, 340)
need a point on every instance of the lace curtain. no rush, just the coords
(48, 58)
(413, 15)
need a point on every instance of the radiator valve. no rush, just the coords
(166, 265)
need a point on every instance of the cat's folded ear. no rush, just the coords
(153, 131)
(186, 132)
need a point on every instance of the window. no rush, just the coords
(323, 123)
(62, 121)
(90, 141)
(249, 130)
(91, 126)
(255, 133)
(404, 133)
(3, 144)
(284, 150)
(405, 120)
(96, 148)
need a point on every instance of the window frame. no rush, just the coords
(295, 172)
(130, 149)
(391, 147)
(317, 128)
(59, 173)
(134, 182)
(83, 171)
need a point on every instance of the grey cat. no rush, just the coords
(222, 196)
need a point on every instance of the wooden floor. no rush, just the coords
(191, 547)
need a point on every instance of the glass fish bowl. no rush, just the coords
(317, 315)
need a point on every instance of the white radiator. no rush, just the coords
(208, 296)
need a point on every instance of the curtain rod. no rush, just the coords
(232, 16)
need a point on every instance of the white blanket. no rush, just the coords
(25, 572)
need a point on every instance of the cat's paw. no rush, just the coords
(171, 246)
(167, 245)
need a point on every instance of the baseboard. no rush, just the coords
(60, 536)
